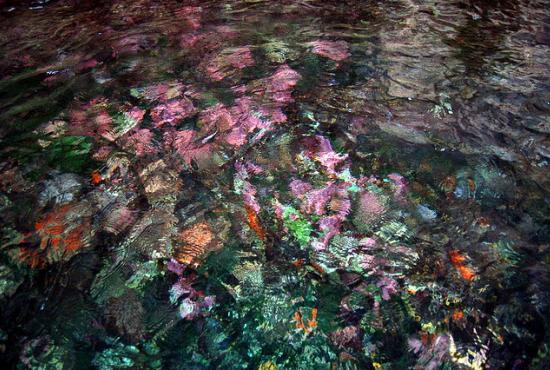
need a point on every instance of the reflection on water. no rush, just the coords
(259, 184)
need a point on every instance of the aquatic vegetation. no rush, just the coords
(41, 353)
(10, 280)
(273, 185)
(297, 225)
(278, 51)
(121, 356)
(443, 108)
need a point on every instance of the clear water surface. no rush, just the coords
(274, 184)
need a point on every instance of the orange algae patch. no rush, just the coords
(52, 219)
(466, 272)
(471, 185)
(317, 267)
(313, 322)
(194, 242)
(55, 230)
(73, 241)
(298, 319)
(299, 262)
(96, 177)
(254, 223)
(31, 257)
(310, 323)
(457, 259)
(458, 315)
(59, 239)
(483, 222)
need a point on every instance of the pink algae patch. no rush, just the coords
(370, 207)
(277, 88)
(91, 119)
(334, 50)
(141, 142)
(217, 117)
(136, 114)
(234, 124)
(87, 64)
(186, 144)
(225, 63)
(190, 16)
(172, 112)
(206, 42)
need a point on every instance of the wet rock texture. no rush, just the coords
(274, 185)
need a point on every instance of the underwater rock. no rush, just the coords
(335, 50)
(61, 189)
(118, 218)
(337, 209)
(348, 337)
(159, 180)
(151, 235)
(278, 51)
(162, 92)
(191, 16)
(132, 44)
(426, 213)
(125, 314)
(433, 354)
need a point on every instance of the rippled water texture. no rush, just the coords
(274, 184)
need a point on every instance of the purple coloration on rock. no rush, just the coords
(136, 114)
(315, 201)
(330, 226)
(249, 196)
(400, 185)
(388, 287)
(299, 187)
(175, 267)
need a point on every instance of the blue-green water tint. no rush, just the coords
(274, 185)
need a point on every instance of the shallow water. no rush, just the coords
(274, 184)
